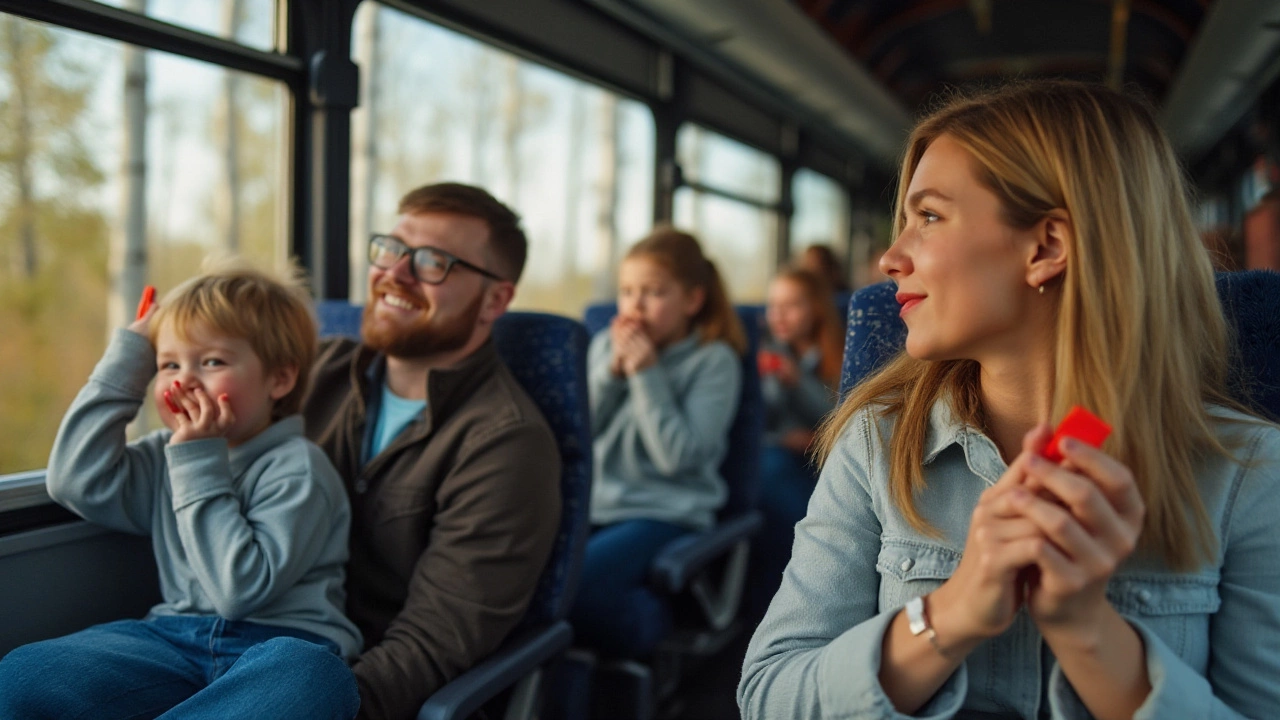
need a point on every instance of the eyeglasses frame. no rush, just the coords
(409, 250)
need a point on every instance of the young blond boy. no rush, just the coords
(248, 520)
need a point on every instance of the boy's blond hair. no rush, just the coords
(272, 313)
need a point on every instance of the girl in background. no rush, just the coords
(799, 371)
(664, 381)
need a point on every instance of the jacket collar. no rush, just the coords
(244, 455)
(447, 388)
(946, 429)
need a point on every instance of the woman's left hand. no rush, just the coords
(1090, 510)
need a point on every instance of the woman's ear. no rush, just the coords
(1052, 236)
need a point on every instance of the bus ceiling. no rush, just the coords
(864, 67)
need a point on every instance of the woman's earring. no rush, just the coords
(1042, 289)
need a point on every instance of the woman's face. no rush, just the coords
(961, 270)
(789, 313)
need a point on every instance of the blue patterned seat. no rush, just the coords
(1250, 300)
(547, 354)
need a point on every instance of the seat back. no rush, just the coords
(874, 333)
(547, 354)
(741, 466)
(1250, 301)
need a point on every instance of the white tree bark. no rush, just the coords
(127, 259)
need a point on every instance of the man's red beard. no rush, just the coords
(424, 337)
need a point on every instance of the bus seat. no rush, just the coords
(874, 333)
(709, 568)
(1250, 301)
(547, 354)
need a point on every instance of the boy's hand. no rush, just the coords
(142, 325)
(200, 416)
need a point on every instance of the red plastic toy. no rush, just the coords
(1081, 425)
(768, 362)
(148, 298)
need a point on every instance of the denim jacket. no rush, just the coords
(1212, 636)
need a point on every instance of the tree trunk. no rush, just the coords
(232, 12)
(364, 143)
(573, 184)
(607, 199)
(513, 127)
(128, 251)
(25, 262)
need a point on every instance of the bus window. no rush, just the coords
(574, 160)
(821, 215)
(116, 184)
(253, 23)
(729, 202)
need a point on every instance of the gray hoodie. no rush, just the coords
(661, 434)
(256, 533)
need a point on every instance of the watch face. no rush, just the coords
(915, 616)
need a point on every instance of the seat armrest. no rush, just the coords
(517, 658)
(681, 560)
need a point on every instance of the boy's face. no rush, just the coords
(218, 365)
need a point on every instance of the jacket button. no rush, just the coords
(1145, 597)
(906, 564)
(361, 486)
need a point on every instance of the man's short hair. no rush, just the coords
(508, 245)
(272, 314)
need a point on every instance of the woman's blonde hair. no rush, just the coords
(1140, 338)
(680, 254)
(273, 314)
(827, 331)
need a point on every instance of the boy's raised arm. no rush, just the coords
(92, 469)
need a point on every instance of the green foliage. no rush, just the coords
(51, 321)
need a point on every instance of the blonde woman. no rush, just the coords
(1044, 257)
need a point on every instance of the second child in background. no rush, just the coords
(799, 369)
(664, 381)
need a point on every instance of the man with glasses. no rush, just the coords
(452, 472)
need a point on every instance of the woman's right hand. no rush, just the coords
(982, 596)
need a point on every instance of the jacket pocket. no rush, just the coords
(1176, 608)
(911, 567)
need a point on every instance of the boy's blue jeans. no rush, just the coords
(178, 667)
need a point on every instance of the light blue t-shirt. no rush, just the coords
(394, 415)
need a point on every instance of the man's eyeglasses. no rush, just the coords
(430, 265)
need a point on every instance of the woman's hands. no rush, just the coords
(1048, 536)
(982, 597)
(1090, 511)
(633, 351)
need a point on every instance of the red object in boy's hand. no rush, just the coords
(148, 297)
(173, 406)
(768, 362)
(1081, 425)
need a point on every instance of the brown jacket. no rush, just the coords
(452, 522)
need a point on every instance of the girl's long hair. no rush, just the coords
(828, 331)
(1140, 337)
(680, 254)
